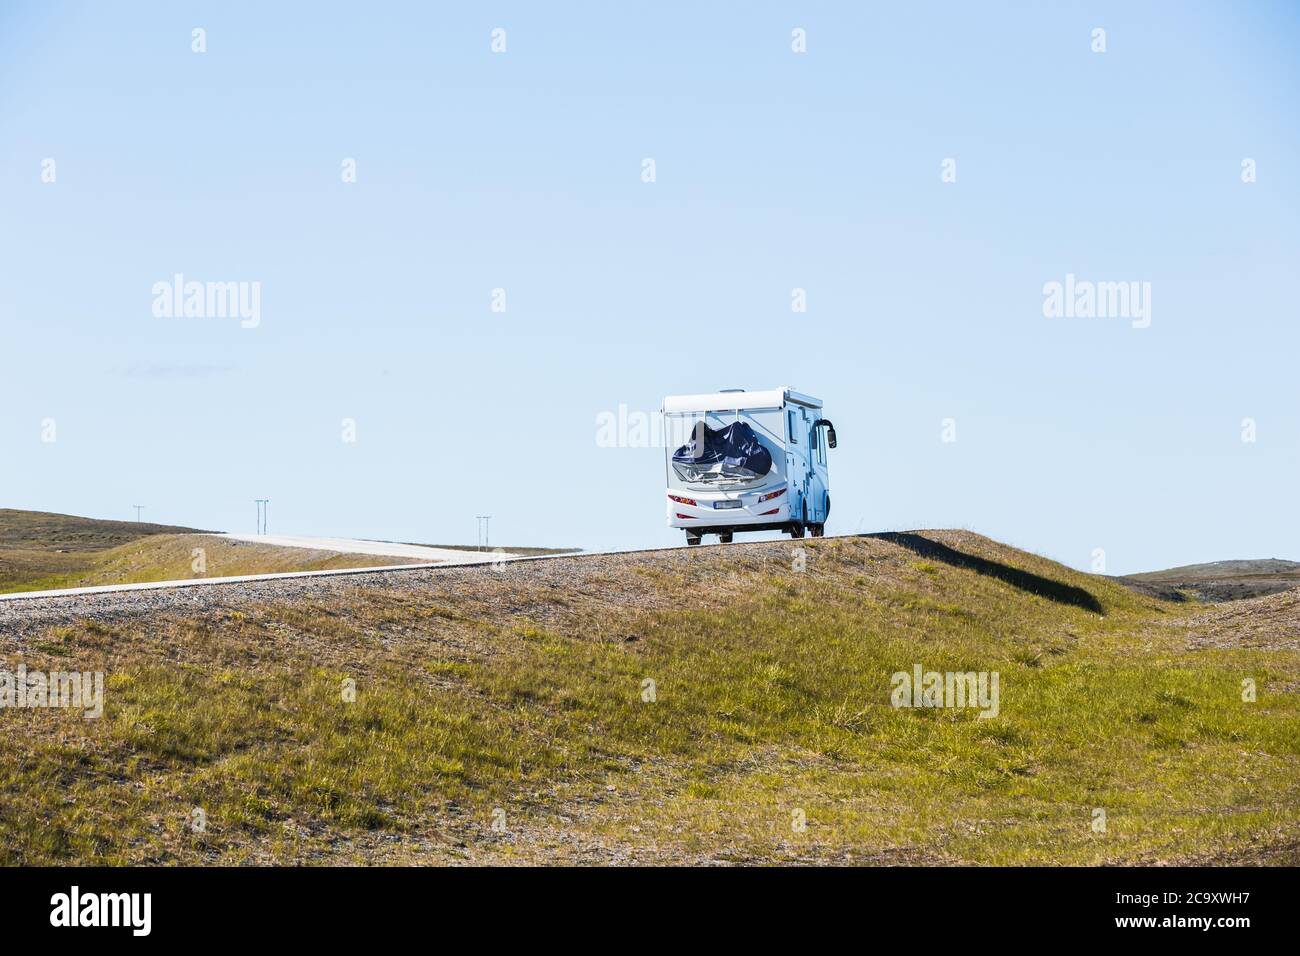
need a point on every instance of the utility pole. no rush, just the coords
(261, 514)
(138, 509)
(484, 522)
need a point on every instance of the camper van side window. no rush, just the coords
(794, 435)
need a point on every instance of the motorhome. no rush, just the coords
(741, 460)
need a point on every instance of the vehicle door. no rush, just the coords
(819, 484)
(796, 457)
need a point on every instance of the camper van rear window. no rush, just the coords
(718, 450)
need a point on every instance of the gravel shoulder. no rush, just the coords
(21, 616)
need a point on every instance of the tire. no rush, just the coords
(692, 539)
(817, 530)
(797, 529)
(725, 537)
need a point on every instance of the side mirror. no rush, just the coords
(830, 436)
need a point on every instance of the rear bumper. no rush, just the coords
(752, 515)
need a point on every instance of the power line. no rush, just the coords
(262, 509)
(138, 509)
(484, 526)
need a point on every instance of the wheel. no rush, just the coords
(797, 529)
(725, 537)
(693, 538)
(817, 530)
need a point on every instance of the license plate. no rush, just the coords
(726, 504)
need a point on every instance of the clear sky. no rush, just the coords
(774, 170)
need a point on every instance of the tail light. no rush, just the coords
(687, 517)
(769, 496)
(683, 501)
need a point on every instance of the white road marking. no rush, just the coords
(363, 546)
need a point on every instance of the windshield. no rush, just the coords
(730, 448)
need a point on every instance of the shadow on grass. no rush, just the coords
(1025, 580)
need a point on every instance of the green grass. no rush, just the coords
(772, 696)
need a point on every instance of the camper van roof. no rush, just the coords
(721, 401)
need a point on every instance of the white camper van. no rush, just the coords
(747, 461)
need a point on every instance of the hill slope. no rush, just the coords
(42, 551)
(170, 557)
(725, 703)
(46, 531)
(1225, 580)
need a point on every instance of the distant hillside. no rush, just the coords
(1219, 581)
(46, 531)
(40, 551)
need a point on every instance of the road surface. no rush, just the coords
(420, 552)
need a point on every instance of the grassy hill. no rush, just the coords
(506, 715)
(168, 557)
(1224, 580)
(45, 531)
(40, 551)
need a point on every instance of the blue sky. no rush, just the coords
(774, 170)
